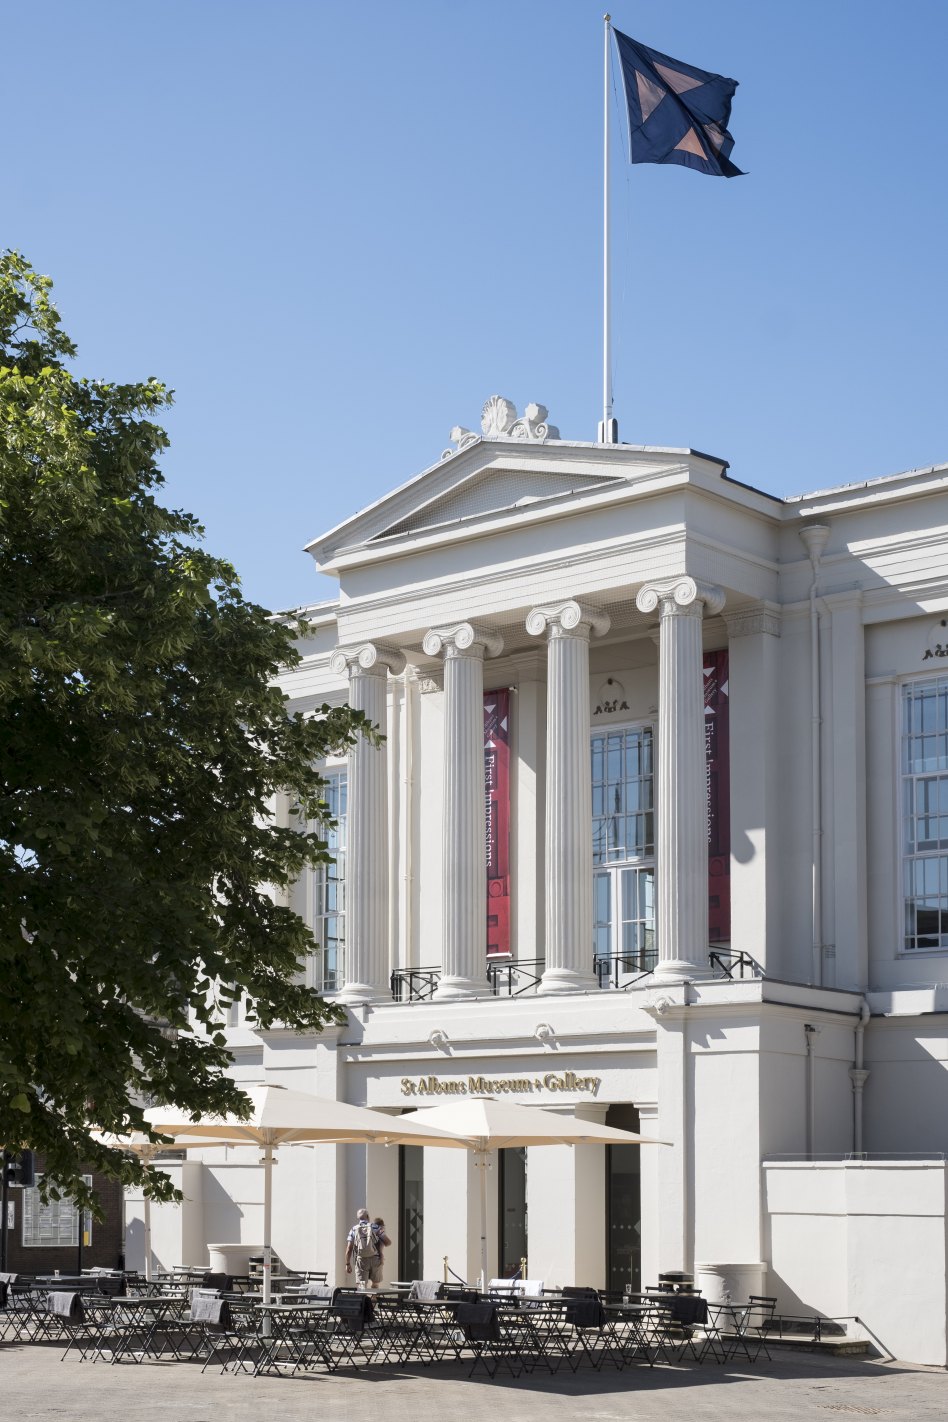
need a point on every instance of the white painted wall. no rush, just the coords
(177, 1231)
(864, 1240)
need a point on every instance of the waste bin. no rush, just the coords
(730, 1283)
(677, 1279)
(231, 1258)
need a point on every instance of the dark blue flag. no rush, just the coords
(677, 113)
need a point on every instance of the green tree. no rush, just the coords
(141, 741)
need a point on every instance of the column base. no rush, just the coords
(680, 970)
(358, 994)
(459, 990)
(558, 981)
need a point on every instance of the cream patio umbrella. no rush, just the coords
(280, 1116)
(486, 1124)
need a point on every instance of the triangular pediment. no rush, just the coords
(517, 470)
(486, 479)
(489, 491)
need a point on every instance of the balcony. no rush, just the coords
(521, 977)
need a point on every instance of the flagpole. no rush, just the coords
(608, 427)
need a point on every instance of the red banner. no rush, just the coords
(497, 806)
(718, 775)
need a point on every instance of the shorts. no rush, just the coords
(368, 1271)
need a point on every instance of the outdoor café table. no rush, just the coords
(534, 1331)
(731, 1327)
(646, 1328)
(146, 1325)
(292, 1336)
(34, 1322)
(571, 1327)
(631, 1324)
(418, 1330)
(430, 1327)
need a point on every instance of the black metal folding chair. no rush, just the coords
(480, 1323)
(592, 1338)
(349, 1315)
(232, 1338)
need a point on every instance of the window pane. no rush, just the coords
(925, 813)
(329, 888)
(623, 834)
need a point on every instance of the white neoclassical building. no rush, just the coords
(658, 835)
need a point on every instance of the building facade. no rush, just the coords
(658, 835)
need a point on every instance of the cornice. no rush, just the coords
(515, 518)
(887, 489)
(624, 463)
(843, 599)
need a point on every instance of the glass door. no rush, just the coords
(411, 1212)
(513, 1210)
(623, 1205)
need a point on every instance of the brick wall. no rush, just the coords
(104, 1251)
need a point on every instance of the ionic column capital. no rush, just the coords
(568, 619)
(464, 639)
(373, 658)
(681, 596)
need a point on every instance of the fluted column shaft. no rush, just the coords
(569, 866)
(367, 851)
(464, 874)
(682, 832)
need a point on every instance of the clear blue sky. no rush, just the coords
(336, 228)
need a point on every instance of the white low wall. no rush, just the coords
(864, 1239)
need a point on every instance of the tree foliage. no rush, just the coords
(141, 742)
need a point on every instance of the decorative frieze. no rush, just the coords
(753, 621)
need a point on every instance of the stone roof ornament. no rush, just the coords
(499, 420)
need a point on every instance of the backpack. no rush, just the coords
(366, 1247)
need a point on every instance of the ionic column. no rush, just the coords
(464, 912)
(682, 838)
(569, 866)
(367, 856)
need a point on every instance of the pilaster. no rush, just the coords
(753, 645)
(847, 737)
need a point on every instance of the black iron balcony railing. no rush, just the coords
(624, 970)
(414, 984)
(618, 972)
(728, 963)
(513, 976)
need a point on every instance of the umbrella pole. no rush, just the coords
(146, 1212)
(267, 1222)
(481, 1161)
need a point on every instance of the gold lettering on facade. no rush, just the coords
(499, 1085)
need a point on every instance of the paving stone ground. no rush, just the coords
(34, 1383)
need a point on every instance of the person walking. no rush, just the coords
(364, 1244)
